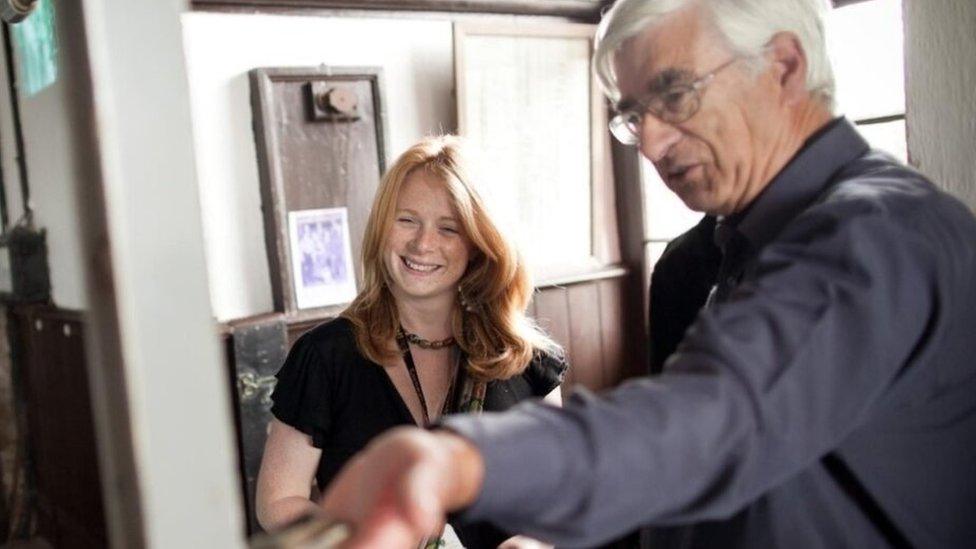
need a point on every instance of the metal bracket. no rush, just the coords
(330, 103)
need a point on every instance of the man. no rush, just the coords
(823, 397)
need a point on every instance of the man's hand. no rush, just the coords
(399, 489)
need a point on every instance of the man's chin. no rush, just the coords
(697, 201)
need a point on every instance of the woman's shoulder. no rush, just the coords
(310, 381)
(338, 328)
(337, 333)
(550, 359)
(546, 370)
(332, 341)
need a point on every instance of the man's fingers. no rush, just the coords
(419, 497)
(383, 529)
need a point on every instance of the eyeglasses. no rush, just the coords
(673, 105)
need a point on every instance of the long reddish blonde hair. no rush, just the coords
(490, 326)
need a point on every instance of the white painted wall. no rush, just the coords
(940, 39)
(51, 172)
(417, 59)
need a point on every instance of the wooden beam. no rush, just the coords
(588, 10)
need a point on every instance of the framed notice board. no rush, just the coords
(528, 102)
(321, 146)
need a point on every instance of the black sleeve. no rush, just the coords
(545, 372)
(301, 396)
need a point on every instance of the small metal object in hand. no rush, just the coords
(312, 531)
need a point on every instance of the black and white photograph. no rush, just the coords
(321, 257)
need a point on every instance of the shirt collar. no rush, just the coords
(800, 182)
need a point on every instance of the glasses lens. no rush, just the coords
(679, 104)
(625, 127)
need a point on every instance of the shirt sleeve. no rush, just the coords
(761, 387)
(301, 395)
(545, 372)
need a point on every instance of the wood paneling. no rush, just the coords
(613, 323)
(598, 322)
(50, 360)
(552, 314)
(585, 326)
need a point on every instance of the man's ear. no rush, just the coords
(789, 64)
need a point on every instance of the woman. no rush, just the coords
(439, 327)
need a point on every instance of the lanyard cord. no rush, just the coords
(412, 370)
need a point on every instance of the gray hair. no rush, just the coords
(746, 25)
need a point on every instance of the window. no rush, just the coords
(865, 42)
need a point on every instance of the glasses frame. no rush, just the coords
(626, 124)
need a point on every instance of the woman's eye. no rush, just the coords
(450, 230)
(405, 220)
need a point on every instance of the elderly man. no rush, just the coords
(825, 395)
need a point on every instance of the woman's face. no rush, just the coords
(427, 252)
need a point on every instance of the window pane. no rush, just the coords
(666, 216)
(865, 44)
(889, 137)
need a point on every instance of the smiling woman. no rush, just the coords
(439, 328)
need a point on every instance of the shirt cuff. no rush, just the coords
(519, 473)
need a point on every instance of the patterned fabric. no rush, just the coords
(472, 397)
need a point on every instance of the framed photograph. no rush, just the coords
(321, 257)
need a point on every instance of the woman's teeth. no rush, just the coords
(419, 266)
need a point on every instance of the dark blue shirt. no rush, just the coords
(831, 382)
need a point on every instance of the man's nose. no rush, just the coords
(657, 137)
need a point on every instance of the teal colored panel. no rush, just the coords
(37, 49)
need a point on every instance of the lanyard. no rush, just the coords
(412, 369)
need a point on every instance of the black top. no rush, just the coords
(328, 390)
(845, 331)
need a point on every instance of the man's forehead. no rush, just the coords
(661, 53)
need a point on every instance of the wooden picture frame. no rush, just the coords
(578, 127)
(283, 165)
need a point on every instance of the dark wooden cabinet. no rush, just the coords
(52, 376)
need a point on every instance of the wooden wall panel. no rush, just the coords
(599, 323)
(552, 314)
(585, 332)
(315, 157)
(50, 357)
(613, 331)
(624, 333)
